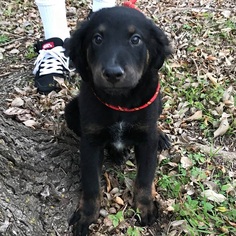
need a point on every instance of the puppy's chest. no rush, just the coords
(123, 134)
(118, 134)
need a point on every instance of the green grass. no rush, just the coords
(196, 92)
(185, 186)
(119, 217)
(4, 39)
(134, 231)
(30, 53)
(202, 215)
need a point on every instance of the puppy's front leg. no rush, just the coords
(146, 157)
(89, 205)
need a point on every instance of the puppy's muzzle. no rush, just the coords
(113, 74)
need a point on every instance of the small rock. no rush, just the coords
(103, 212)
(112, 210)
(14, 51)
(17, 102)
(114, 191)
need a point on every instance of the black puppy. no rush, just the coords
(118, 53)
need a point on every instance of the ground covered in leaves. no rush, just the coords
(196, 181)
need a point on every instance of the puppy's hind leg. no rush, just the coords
(163, 141)
(72, 116)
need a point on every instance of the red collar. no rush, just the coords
(125, 109)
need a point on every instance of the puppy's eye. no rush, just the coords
(97, 39)
(135, 39)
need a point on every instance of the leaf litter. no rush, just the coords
(198, 86)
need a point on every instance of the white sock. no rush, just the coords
(53, 15)
(99, 4)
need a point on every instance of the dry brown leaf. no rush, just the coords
(107, 222)
(198, 42)
(129, 183)
(170, 209)
(212, 78)
(224, 230)
(186, 162)
(108, 182)
(154, 192)
(190, 190)
(114, 191)
(224, 126)
(220, 108)
(226, 13)
(229, 102)
(178, 223)
(119, 200)
(161, 158)
(30, 123)
(60, 81)
(24, 117)
(17, 102)
(196, 116)
(213, 196)
(14, 51)
(211, 58)
(206, 119)
(227, 93)
(13, 111)
(19, 91)
(232, 223)
(175, 65)
(211, 185)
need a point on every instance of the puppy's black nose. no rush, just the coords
(113, 74)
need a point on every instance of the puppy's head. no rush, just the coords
(115, 48)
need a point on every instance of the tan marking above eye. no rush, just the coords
(131, 29)
(102, 28)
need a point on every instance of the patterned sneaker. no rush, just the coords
(51, 62)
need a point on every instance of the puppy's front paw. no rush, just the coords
(148, 211)
(85, 215)
(80, 227)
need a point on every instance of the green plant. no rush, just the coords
(9, 10)
(134, 231)
(198, 157)
(3, 38)
(230, 24)
(172, 184)
(30, 53)
(117, 218)
(187, 26)
(203, 216)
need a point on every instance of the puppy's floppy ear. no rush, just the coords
(76, 50)
(159, 47)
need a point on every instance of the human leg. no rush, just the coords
(51, 61)
(99, 4)
(53, 16)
